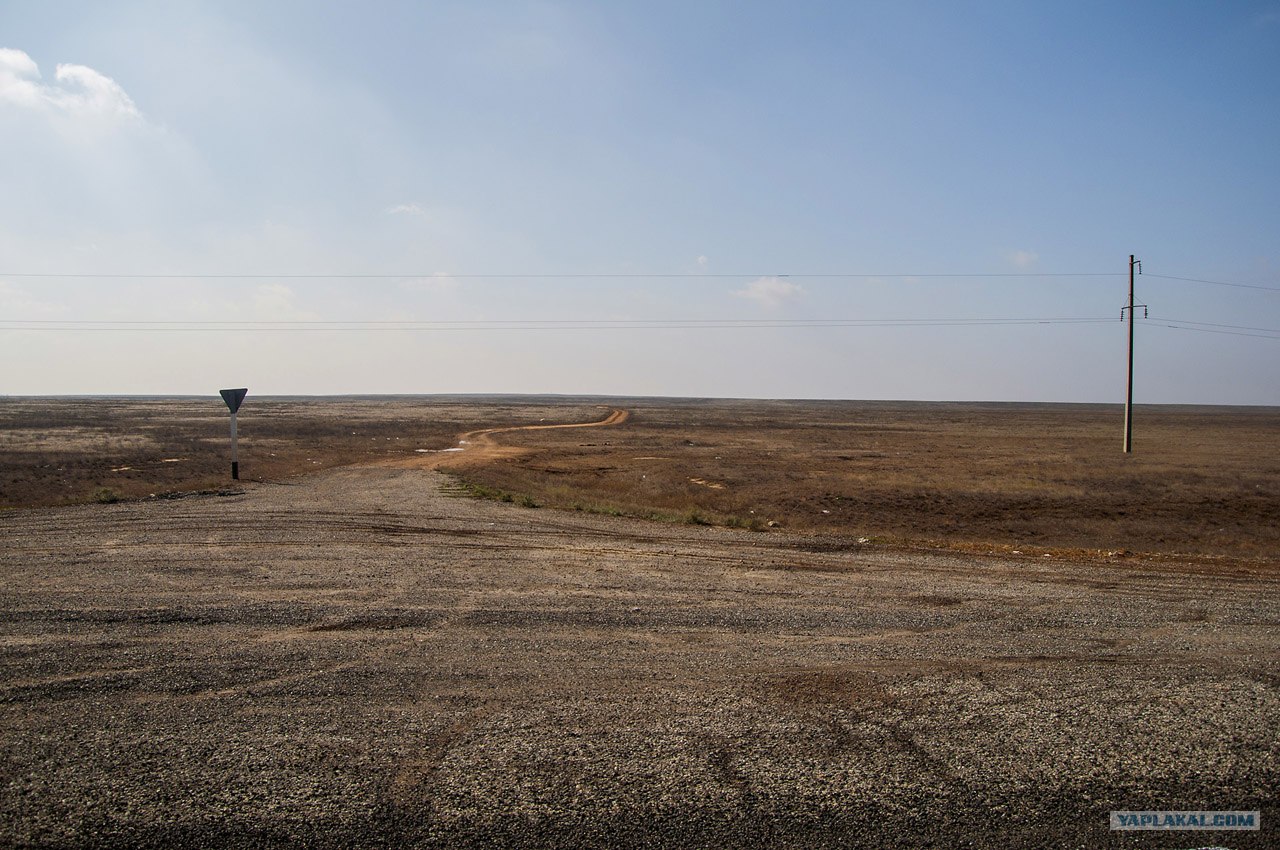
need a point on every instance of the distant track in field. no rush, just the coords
(480, 446)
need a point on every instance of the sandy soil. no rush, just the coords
(360, 658)
(482, 447)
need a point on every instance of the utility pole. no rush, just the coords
(1128, 399)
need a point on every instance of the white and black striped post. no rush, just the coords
(234, 398)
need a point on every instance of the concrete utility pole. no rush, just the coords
(1128, 399)
(234, 398)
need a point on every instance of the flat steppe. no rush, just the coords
(363, 656)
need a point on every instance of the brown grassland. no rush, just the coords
(57, 451)
(1202, 481)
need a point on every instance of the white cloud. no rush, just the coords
(411, 208)
(1023, 259)
(17, 71)
(769, 291)
(77, 90)
(703, 261)
(86, 90)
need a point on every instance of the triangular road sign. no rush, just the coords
(233, 398)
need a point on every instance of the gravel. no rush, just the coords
(357, 659)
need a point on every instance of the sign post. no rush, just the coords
(234, 398)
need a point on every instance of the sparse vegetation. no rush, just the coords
(64, 450)
(750, 523)
(1030, 477)
(693, 516)
(1042, 477)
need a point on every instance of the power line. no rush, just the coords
(703, 321)
(1159, 324)
(612, 276)
(1217, 325)
(605, 275)
(1216, 282)
(128, 326)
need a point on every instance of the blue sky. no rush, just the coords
(718, 144)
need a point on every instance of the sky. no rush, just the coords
(848, 200)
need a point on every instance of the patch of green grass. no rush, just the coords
(569, 498)
(105, 496)
(495, 494)
(693, 516)
(481, 491)
(750, 523)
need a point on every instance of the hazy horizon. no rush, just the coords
(216, 401)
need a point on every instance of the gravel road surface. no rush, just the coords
(361, 659)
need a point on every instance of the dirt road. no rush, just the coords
(480, 447)
(359, 659)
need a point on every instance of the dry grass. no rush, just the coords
(70, 450)
(1201, 480)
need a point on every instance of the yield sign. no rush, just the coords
(233, 398)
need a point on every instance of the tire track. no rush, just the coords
(481, 447)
